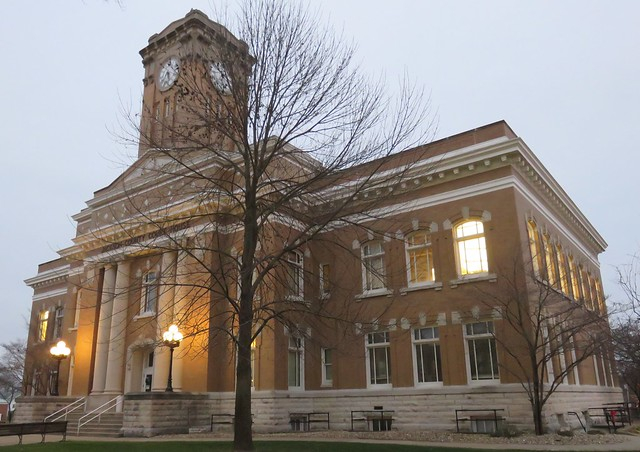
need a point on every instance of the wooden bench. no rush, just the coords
(488, 414)
(34, 428)
(305, 420)
(376, 420)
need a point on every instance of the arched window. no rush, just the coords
(471, 248)
(419, 258)
(550, 260)
(534, 247)
(372, 266)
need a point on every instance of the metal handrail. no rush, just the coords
(97, 413)
(79, 403)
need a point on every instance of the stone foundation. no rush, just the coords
(149, 414)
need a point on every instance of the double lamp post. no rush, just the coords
(171, 338)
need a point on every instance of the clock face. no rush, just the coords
(169, 73)
(220, 77)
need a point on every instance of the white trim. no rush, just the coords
(367, 347)
(465, 337)
(427, 384)
(49, 294)
(48, 275)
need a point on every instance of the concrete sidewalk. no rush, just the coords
(631, 442)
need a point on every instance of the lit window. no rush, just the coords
(372, 266)
(379, 358)
(296, 361)
(295, 275)
(149, 293)
(534, 247)
(419, 258)
(471, 248)
(586, 292)
(575, 278)
(427, 360)
(57, 324)
(549, 255)
(562, 267)
(327, 366)
(481, 351)
(43, 323)
(325, 274)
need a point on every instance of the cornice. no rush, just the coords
(48, 277)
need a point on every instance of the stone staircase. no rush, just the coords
(107, 425)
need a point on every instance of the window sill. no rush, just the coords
(380, 386)
(425, 286)
(374, 293)
(327, 385)
(144, 315)
(491, 277)
(294, 298)
(488, 382)
(430, 384)
(73, 328)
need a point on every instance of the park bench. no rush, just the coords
(34, 428)
(481, 420)
(303, 421)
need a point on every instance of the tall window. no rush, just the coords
(575, 278)
(372, 266)
(481, 349)
(379, 357)
(427, 355)
(586, 292)
(327, 366)
(57, 324)
(325, 274)
(296, 362)
(419, 258)
(295, 274)
(534, 247)
(149, 293)
(471, 248)
(562, 270)
(76, 313)
(549, 255)
(43, 323)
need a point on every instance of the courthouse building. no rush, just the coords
(423, 338)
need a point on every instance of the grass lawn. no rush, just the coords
(223, 446)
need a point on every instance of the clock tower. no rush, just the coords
(194, 82)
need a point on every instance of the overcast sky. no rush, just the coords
(565, 76)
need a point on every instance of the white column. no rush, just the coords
(104, 329)
(115, 362)
(181, 295)
(165, 318)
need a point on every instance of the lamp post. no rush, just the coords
(171, 339)
(59, 352)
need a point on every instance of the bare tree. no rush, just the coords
(625, 331)
(628, 279)
(626, 341)
(11, 370)
(545, 335)
(270, 149)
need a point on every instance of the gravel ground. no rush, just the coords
(579, 438)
